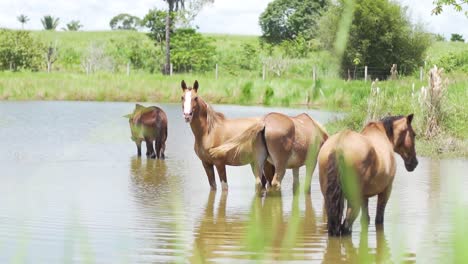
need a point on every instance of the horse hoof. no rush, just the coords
(224, 186)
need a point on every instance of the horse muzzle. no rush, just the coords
(188, 117)
(411, 165)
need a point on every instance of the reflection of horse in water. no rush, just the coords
(260, 232)
(148, 178)
(342, 250)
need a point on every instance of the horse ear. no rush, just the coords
(183, 85)
(127, 116)
(409, 118)
(195, 85)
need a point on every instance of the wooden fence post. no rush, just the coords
(314, 73)
(216, 71)
(264, 72)
(170, 69)
(421, 73)
(365, 73)
(128, 68)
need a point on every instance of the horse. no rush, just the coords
(290, 143)
(149, 124)
(211, 129)
(356, 166)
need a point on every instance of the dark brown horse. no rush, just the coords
(355, 166)
(149, 124)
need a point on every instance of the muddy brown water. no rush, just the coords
(73, 190)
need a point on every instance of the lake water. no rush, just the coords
(73, 190)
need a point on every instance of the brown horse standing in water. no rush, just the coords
(356, 166)
(211, 129)
(149, 124)
(290, 143)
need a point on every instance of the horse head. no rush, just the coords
(401, 134)
(189, 100)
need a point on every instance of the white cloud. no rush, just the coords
(224, 16)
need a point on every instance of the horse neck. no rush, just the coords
(376, 130)
(199, 122)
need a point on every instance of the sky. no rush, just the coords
(223, 16)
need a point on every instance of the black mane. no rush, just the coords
(388, 124)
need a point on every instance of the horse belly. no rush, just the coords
(296, 159)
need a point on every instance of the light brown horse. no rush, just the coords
(290, 143)
(355, 166)
(149, 124)
(212, 129)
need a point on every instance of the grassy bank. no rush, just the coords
(397, 97)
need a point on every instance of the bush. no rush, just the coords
(191, 51)
(18, 50)
(246, 91)
(248, 57)
(453, 61)
(139, 50)
(269, 93)
(380, 35)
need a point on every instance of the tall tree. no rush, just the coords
(49, 22)
(287, 19)
(125, 22)
(73, 25)
(175, 6)
(457, 37)
(23, 20)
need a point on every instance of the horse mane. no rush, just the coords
(321, 128)
(388, 124)
(212, 117)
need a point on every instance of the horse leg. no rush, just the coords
(138, 145)
(149, 148)
(381, 203)
(163, 143)
(222, 176)
(157, 147)
(351, 215)
(209, 169)
(295, 179)
(310, 167)
(278, 177)
(365, 211)
(268, 172)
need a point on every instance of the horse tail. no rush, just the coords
(248, 136)
(322, 130)
(334, 200)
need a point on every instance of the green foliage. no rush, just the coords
(69, 57)
(381, 34)
(191, 51)
(287, 19)
(124, 22)
(439, 37)
(248, 58)
(268, 95)
(136, 49)
(246, 92)
(453, 61)
(457, 5)
(296, 48)
(74, 25)
(457, 37)
(49, 22)
(155, 21)
(18, 50)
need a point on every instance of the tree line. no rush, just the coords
(379, 35)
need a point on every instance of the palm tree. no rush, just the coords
(23, 20)
(49, 22)
(73, 25)
(173, 7)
